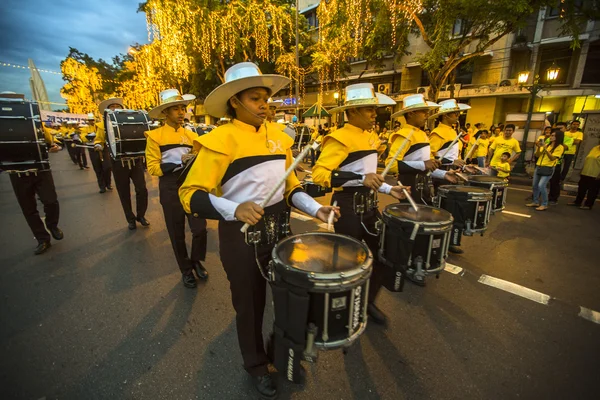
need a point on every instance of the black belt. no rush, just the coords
(273, 226)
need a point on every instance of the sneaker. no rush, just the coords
(541, 208)
(532, 205)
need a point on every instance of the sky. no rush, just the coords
(43, 30)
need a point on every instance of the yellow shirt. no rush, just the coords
(100, 134)
(48, 134)
(503, 169)
(441, 137)
(544, 160)
(164, 148)
(413, 155)
(346, 155)
(576, 136)
(482, 147)
(237, 163)
(502, 145)
(591, 165)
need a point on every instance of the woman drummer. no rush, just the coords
(237, 166)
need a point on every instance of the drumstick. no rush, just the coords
(448, 149)
(397, 154)
(289, 171)
(471, 150)
(84, 146)
(409, 197)
(331, 215)
(461, 176)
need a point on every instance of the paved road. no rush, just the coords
(103, 314)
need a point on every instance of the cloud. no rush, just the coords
(44, 30)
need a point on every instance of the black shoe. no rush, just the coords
(143, 221)
(455, 250)
(103, 190)
(417, 280)
(41, 248)
(201, 272)
(188, 280)
(132, 225)
(265, 386)
(109, 188)
(376, 314)
(56, 233)
(574, 204)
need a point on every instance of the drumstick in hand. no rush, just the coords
(409, 197)
(448, 149)
(331, 216)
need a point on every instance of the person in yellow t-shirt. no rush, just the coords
(577, 136)
(503, 167)
(548, 156)
(503, 144)
(590, 180)
(479, 148)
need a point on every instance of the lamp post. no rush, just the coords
(534, 89)
(336, 96)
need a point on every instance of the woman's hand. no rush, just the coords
(323, 213)
(249, 212)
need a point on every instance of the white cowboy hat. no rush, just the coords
(448, 106)
(415, 102)
(170, 98)
(363, 95)
(90, 116)
(108, 102)
(238, 78)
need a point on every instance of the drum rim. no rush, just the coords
(360, 271)
(449, 221)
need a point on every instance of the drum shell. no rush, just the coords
(498, 187)
(471, 210)
(129, 127)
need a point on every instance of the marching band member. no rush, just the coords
(237, 165)
(165, 147)
(348, 163)
(78, 137)
(41, 183)
(100, 160)
(124, 172)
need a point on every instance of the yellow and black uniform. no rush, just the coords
(78, 138)
(124, 172)
(590, 179)
(237, 163)
(100, 159)
(67, 133)
(503, 169)
(164, 148)
(410, 164)
(347, 155)
(440, 140)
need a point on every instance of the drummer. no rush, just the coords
(29, 186)
(414, 160)
(101, 165)
(165, 148)
(348, 163)
(124, 171)
(237, 165)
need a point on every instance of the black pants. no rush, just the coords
(567, 160)
(554, 193)
(248, 293)
(175, 220)
(123, 173)
(102, 168)
(350, 224)
(590, 186)
(80, 155)
(71, 151)
(26, 188)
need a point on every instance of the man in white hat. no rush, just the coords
(100, 164)
(348, 164)
(79, 130)
(165, 147)
(237, 166)
(28, 187)
(125, 172)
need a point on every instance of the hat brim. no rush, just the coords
(407, 110)
(382, 101)
(461, 108)
(215, 103)
(157, 112)
(104, 105)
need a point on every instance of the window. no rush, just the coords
(311, 18)
(554, 12)
(424, 78)
(459, 28)
(561, 56)
(464, 73)
(591, 71)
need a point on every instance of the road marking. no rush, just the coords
(453, 269)
(515, 213)
(590, 315)
(515, 289)
(301, 217)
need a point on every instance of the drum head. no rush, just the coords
(110, 133)
(426, 214)
(322, 253)
(486, 179)
(460, 189)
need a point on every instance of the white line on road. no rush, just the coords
(590, 315)
(515, 213)
(453, 269)
(515, 289)
(301, 217)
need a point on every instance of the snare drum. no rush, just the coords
(125, 132)
(22, 143)
(415, 241)
(498, 186)
(470, 206)
(334, 269)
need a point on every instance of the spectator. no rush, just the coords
(548, 156)
(555, 180)
(590, 180)
(481, 145)
(577, 137)
(502, 144)
(503, 167)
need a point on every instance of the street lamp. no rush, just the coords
(336, 96)
(551, 77)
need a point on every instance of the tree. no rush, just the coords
(82, 87)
